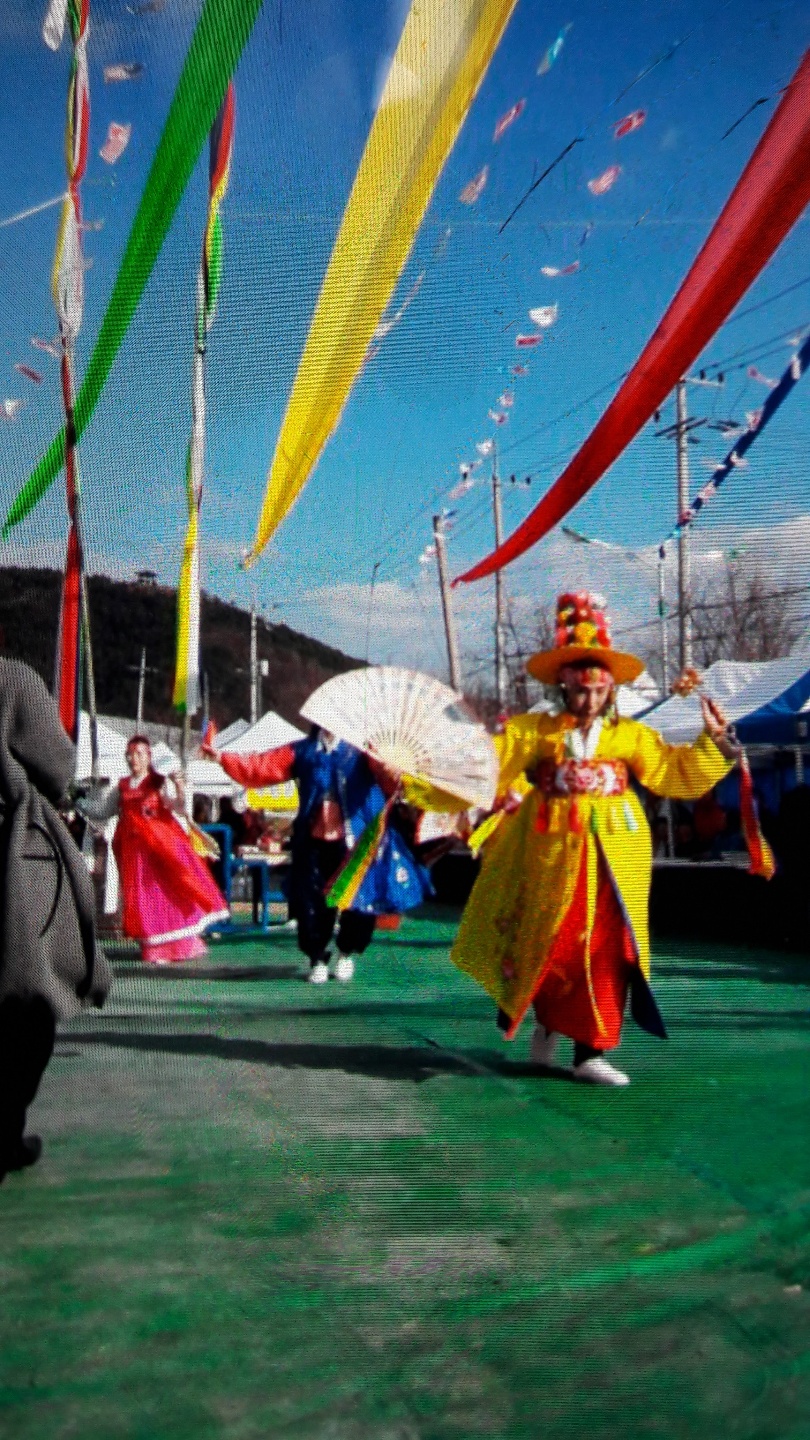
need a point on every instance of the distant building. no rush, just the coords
(147, 577)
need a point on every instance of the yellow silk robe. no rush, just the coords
(528, 878)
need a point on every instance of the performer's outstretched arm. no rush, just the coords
(681, 772)
(272, 767)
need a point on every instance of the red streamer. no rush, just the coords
(759, 851)
(69, 644)
(766, 202)
(69, 649)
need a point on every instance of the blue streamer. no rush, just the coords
(791, 377)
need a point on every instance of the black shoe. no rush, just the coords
(26, 1153)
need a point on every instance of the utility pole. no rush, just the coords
(681, 433)
(141, 687)
(497, 513)
(206, 715)
(254, 666)
(447, 609)
(662, 620)
(684, 576)
(141, 670)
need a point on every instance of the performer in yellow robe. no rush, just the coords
(557, 919)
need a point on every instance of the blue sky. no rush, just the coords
(306, 89)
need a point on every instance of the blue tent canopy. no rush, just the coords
(783, 721)
(766, 701)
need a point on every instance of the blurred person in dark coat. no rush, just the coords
(49, 964)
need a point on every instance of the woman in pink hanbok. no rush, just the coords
(169, 895)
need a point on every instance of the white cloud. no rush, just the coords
(400, 624)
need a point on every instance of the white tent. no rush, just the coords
(740, 687)
(112, 747)
(205, 777)
(632, 699)
(164, 758)
(226, 738)
(266, 734)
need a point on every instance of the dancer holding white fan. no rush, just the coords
(378, 734)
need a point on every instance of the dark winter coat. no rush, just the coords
(47, 924)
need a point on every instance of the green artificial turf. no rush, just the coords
(354, 1213)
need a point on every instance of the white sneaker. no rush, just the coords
(319, 973)
(344, 968)
(599, 1071)
(543, 1048)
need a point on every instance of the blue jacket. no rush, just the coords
(395, 882)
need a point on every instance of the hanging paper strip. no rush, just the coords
(441, 59)
(758, 420)
(220, 37)
(186, 695)
(67, 288)
(346, 885)
(766, 202)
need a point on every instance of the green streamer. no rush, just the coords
(219, 39)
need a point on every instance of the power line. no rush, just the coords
(753, 351)
(393, 541)
(565, 414)
(701, 606)
(756, 351)
(597, 115)
(752, 309)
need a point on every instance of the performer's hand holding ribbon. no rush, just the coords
(762, 861)
(717, 728)
(715, 722)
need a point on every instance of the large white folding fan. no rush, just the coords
(413, 724)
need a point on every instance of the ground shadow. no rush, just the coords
(742, 1020)
(209, 972)
(415, 944)
(381, 1062)
(232, 1012)
(250, 936)
(774, 971)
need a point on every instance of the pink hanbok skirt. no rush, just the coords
(170, 896)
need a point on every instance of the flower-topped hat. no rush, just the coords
(583, 633)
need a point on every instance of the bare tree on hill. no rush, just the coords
(745, 616)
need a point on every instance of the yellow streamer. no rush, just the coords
(482, 832)
(185, 696)
(441, 59)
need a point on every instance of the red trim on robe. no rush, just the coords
(562, 1001)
